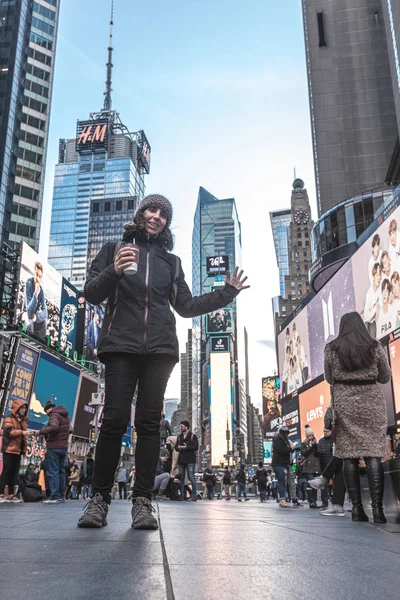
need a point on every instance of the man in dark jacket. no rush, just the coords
(56, 433)
(187, 446)
(165, 429)
(261, 477)
(241, 478)
(227, 482)
(210, 481)
(311, 466)
(281, 458)
(325, 445)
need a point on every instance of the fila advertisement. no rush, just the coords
(47, 303)
(312, 405)
(368, 283)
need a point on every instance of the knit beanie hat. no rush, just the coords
(309, 431)
(157, 201)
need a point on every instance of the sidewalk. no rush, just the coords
(211, 549)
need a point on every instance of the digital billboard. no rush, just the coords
(272, 410)
(294, 355)
(220, 343)
(55, 380)
(267, 453)
(217, 265)
(219, 321)
(290, 417)
(312, 405)
(84, 413)
(220, 399)
(94, 316)
(23, 375)
(47, 303)
(92, 136)
(394, 353)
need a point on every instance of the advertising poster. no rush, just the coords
(324, 313)
(376, 269)
(267, 453)
(394, 353)
(68, 316)
(272, 410)
(312, 405)
(93, 323)
(84, 413)
(56, 381)
(7, 371)
(290, 417)
(39, 296)
(219, 321)
(294, 355)
(23, 375)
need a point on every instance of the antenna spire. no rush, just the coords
(294, 171)
(107, 93)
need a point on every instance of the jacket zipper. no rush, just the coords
(146, 309)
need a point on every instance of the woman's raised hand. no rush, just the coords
(236, 280)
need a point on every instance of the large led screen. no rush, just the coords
(376, 269)
(84, 412)
(272, 410)
(23, 375)
(294, 355)
(312, 405)
(394, 353)
(220, 321)
(290, 417)
(47, 303)
(57, 381)
(220, 404)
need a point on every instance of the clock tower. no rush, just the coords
(297, 285)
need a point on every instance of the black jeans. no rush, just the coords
(122, 488)
(122, 372)
(334, 470)
(10, 471)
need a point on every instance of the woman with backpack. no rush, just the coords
(141, 280)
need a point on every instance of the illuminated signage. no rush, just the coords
(92, 136)
(220, 344)
(144, 151)
(217, 265)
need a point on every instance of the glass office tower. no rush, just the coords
(280, 223)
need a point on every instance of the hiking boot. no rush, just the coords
(333, 511)
(142, 517)
(95, 514)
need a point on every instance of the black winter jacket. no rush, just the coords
(187, 456)
(325, 445)
(280, 452)
(209, 479)
(139, 319)
(311, 462)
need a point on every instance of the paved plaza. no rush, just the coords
(211, 549)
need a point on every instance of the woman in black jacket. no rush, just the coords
(138, 344)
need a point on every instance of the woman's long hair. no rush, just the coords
(354, 346)
(165, 238)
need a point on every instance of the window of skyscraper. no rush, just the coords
(95, 207)
(107, 206)
(321, 29)
(118, 205)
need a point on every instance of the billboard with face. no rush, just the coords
(47, 303)
(272, 409)
(294, 355)
(219, 321)
(376, 269)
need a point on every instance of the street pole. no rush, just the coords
(228, 437)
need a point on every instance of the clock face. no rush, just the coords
(301, 217)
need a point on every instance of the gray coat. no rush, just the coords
(361, 415)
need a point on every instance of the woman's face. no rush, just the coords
(155, 220)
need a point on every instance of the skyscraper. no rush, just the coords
(186, 377)
(216, 233)
(98, 183)
(353, 117)
(280, 223)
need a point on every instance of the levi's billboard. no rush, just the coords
(312, 405)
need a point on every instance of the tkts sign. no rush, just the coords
(92, 136)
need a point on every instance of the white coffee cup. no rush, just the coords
(132, 270)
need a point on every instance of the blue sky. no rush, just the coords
(220, 88)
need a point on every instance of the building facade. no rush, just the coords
(216, 232)
(280, 223)
(99, 182)
(186, 377)
(353, 118)
(296, 282)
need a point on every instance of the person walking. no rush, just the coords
(87, 471)
(227, 483)
(354, 364)
(56, 433)
(261, 478)
(13, 434)
(333, 471)
(311, 466)
(281, 458)
(210, 481)
(138, 344)
(325, 445)
(165, 429)
(241, 478)
(187, 445)
(122, 478)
